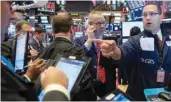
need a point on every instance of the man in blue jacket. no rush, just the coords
(148, 53)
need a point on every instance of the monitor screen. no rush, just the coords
(11, 31)
(124, 40)
(49, 8)
(20, 52)
(120, 97)
(78, 34)
(48, 27)
(71, 68)
(126, 27)
(44, 19)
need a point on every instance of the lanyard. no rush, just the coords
(7, 63)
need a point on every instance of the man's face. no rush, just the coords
(5, 18)
(26, 28)
(98, 21)
(122, 19)
(40, 36)
(151, 18)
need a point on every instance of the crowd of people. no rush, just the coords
(100, 76)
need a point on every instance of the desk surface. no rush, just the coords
(153, 91)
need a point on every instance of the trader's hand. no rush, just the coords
(53, 75)
(90, 33)
(109, 48)
(35, 68)
(34, 53)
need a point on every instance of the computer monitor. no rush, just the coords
(11, 31)
(124, 40)
(73, 66)
(48, 28)
(117, 95)
(21, 52)
(126, 27)
(78, 34)
(44, 19)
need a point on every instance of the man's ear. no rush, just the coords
(72, 29)
(161, 17)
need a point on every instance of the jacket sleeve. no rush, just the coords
(130, 51)
(80, 43)
(55, 96)
(32, 43)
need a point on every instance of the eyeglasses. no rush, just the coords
(98, 23)
(145, 14)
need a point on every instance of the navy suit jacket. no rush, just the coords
(91, 53)
(108, 64)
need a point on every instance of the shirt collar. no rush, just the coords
(36, 39)
(63, 37)
(159, 34)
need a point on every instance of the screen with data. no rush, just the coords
(71, 68)
(121, 97)
(20, 52)
(126, 27)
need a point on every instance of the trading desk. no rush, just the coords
(152, 94)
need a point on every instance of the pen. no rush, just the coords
(31, 64)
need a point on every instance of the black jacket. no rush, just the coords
(32, 42)
(63, 46)
(15, 88)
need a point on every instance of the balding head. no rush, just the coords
(95, 16)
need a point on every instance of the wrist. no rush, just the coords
(89, 41)
(28, 79)
(29, 75)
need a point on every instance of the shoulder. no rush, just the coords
(31, 40)
(55, 96)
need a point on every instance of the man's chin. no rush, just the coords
(149, 29)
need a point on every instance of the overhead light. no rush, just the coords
(108, 13)
(32, 17)
(77, 19)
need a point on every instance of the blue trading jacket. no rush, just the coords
(145, 64)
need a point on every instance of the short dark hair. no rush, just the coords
(63, 12)
(155, 4)
(62, 23)
(19, 24)
(39, 30)
(135, 31)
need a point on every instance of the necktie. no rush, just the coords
(100, 69)
(159, 43)
(39, 44)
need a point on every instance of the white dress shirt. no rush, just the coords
(159, 34)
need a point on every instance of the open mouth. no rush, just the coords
(148, 23)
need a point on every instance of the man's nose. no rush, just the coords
(148, 17)
(102, 25)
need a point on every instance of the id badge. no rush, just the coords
(160, 76)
